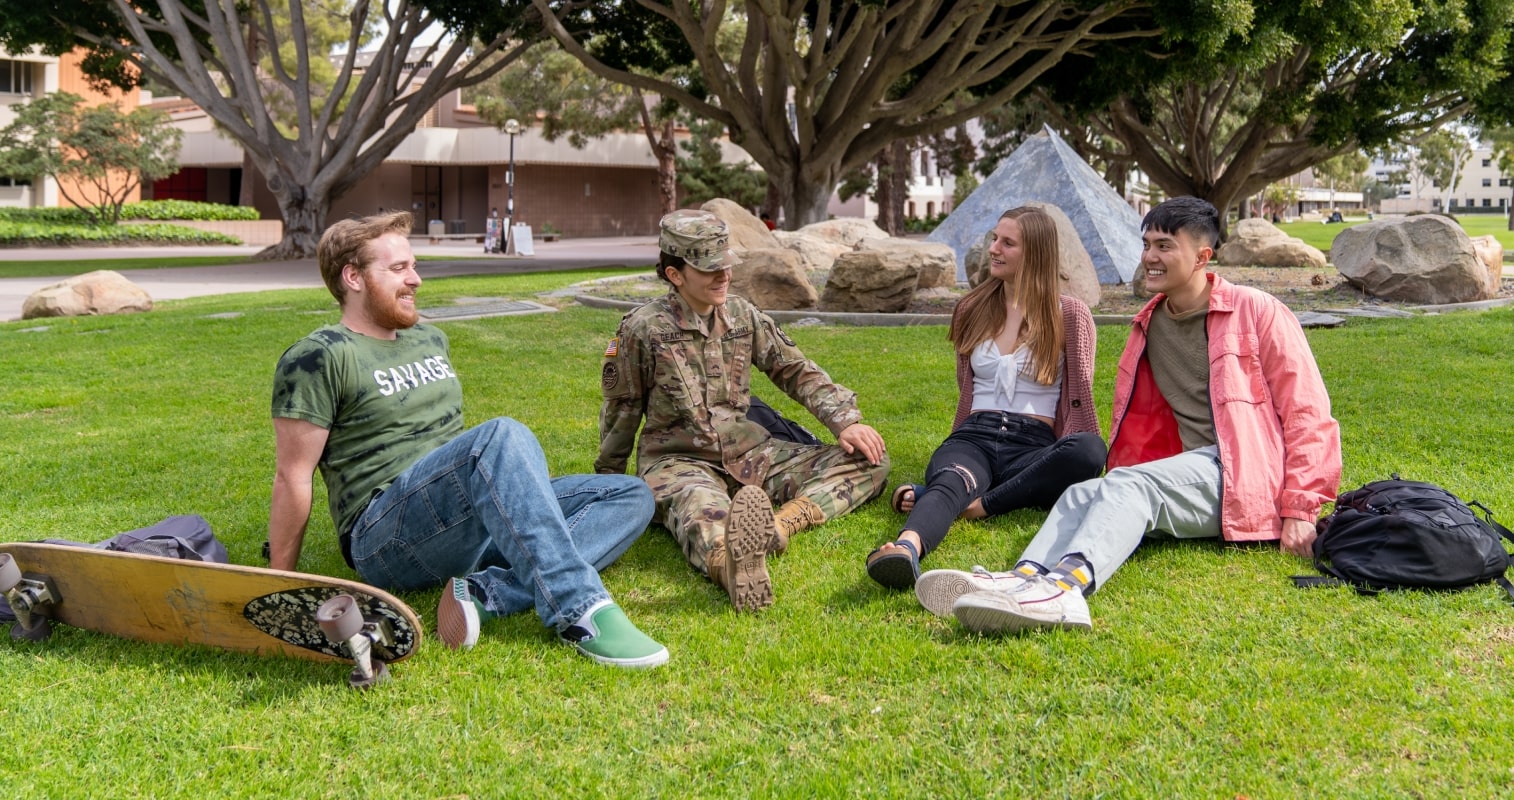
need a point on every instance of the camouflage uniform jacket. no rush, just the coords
(692, 384)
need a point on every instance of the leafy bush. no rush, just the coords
(34, 234)
(45, 216)
(923, 224)
(145, 210)
(185, 209)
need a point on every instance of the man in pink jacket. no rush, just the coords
(1221, 429)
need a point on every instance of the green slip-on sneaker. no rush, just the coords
(606, 635)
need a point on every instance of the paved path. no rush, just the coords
(255, 276)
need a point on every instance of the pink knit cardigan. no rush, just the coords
(1075, 411)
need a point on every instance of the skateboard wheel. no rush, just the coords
(36, 633)
(10, 574)
(339, 618)
(380, 675)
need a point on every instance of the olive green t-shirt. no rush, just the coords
(1178, 349)
(384, 403)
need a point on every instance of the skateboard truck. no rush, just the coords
(25, 596)
(342, 622)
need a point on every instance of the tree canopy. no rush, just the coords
(212, 52)
(1298, 82)
(814, 89)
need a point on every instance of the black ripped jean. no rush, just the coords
(1009, 460)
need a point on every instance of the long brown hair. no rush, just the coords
(982, 313)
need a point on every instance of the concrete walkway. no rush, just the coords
(176, 283)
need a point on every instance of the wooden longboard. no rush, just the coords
(172, 601)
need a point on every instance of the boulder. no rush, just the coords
(747, 231)
(773, 278)
(845, 231)
(870, 281)
(976, 260)
(99, 292)
(1490, 252)
(815, 253)
(935, 263)
(1425, 258)
(1256, 242)
(1076, 269)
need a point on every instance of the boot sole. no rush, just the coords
(748, 535)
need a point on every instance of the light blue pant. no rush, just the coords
(1104, 519)
(483, 505)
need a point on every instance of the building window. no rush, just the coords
(1503, 181)
(1487, 162)
(14, 181)
(1486, 203)
(911, 211)
(1487, 181)
(15, 77)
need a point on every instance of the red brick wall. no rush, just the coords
(581, 200)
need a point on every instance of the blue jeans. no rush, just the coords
(483, 505)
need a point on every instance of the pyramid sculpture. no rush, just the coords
(1044, 168)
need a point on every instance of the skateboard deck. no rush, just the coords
(174, 601)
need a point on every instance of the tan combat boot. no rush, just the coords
(740, 567)
(799, 514)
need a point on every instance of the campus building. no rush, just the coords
(28, 75)
(1480, 187)
(451, 172)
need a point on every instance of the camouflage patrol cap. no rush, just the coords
(699, 238)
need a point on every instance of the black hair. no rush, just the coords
(1189, 214)
(665, 260)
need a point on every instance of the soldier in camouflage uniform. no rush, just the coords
(683, 364)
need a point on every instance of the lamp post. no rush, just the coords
(512, 127)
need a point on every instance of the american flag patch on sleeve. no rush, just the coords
(613, 348)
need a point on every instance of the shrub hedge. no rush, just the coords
(34, 234)
(40, 227)
(146, 210)
(185, 209)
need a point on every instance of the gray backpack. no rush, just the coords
(186, 536)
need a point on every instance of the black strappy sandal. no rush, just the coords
(895, 570)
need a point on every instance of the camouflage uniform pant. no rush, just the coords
(694, 496)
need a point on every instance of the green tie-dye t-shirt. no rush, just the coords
(384, 403)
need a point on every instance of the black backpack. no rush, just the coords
(1398, 534)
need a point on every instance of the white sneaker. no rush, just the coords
(1037, 603)
(938, 589)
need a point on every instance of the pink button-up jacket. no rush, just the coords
(1280, 451)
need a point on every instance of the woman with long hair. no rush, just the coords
(1025, 427)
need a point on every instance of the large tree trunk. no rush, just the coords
(893, 186)
(772, 205)
(245, 196)
(304, 216)
(886, 194)
(666, 149)
(809, 202)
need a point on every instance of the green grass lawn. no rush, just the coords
(1322, 235)
(79, 266)
(1207, 675)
